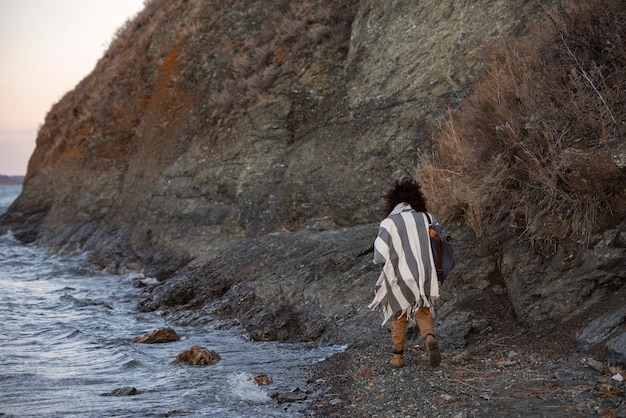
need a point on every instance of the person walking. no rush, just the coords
(408, 286)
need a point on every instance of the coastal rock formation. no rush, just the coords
(201, 125)
(237, 153)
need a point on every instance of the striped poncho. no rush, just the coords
(408, 279)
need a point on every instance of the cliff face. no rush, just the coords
(238, 151)
(205, 122)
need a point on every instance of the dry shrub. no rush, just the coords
(535, 143)
(287, 39)
(230, 58)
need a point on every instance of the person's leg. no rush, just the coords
(424, 319)
(398, 339)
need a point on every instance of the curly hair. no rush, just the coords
(405, 190)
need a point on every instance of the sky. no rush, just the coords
(46, 48)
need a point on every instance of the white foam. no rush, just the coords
(9, 236)
(246, 389)
(150, 281)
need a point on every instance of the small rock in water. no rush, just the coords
(198, 356)
(262, 379)
(293, 396)
(163, 335)
(125, 391)
(175, 412)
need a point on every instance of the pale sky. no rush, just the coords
(46, 48)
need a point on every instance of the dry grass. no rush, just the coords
(535, 143)
(283, 43)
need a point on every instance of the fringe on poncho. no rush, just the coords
(408, 279)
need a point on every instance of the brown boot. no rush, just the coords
(398, 339)
(396, 360)
(433, 351)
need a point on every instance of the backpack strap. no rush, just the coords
(434, 237)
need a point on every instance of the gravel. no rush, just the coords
(500, 377)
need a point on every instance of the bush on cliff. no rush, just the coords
(540, 142)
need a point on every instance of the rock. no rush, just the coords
(141, 282)
(600, 328)
(444, 398)
(84, 302)
(293, 396)
(263, 379)
(177, 412)
(302, 284)
(455, 328)
(617, 349)
(123, 391)
(596, 365)
(198, 356)
(163, 335)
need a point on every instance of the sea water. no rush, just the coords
(66, 345)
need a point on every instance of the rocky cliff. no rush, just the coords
(238, 151)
